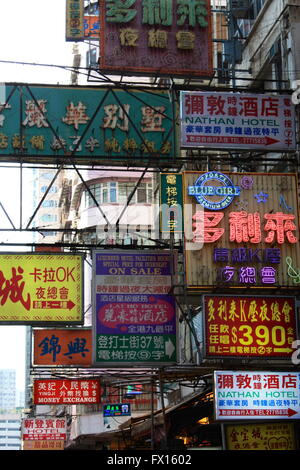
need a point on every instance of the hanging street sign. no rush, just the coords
(66, 392)
(134, 314)
(86, 124)
(237, 121)
(244, 395)
(41, 288)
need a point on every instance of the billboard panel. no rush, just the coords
(237, 121)
(172, 37)
(86, 124)
(57, 347)
(41, 288)
(66, 392)
(256, 395)
(260, 436)
(44, 429)
(249, 326)
(134, 314)
(74, 20)
(241, 230)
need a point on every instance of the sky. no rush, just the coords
(32, 31)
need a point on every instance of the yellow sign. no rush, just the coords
(41, 288)
(273, 436)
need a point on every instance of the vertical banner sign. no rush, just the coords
(249, 326)
(240, 121)
(37, 288)
(134, 314)
(170, 37)
(63, 346)
(74, 20)
(171, 204)
(243, 395)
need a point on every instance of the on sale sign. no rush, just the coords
(244, 395)
(249, 326)
(69, 391)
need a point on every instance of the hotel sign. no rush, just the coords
(237, 121)
(170, 37)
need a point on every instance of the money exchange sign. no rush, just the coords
(59, 392)
(134, 314)
(45, 288)
(249, 326)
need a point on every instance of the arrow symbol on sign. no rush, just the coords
(55, 304)
(169, 348)
(283, 350)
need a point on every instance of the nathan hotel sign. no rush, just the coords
(241, 230)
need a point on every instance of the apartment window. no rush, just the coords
(102, 192)
(143, 193)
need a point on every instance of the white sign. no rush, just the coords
(243, 395)
(237, 120)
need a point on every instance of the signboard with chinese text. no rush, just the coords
(248, 326)
(85, 124)
(43, 445)
(44, 429)
(117, 409)
(134, 314)
(260, 436)
(41, 288)
(241, 230)
(237, 121)
(171, 205)
(172, 37)
(74, 20)
(244, 395)
(66, 392)
(69, 346)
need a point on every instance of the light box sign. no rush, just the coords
(237, 121)
(41, 288)
(172, 37)
(249, 326)
(260, 436)
(241, 230)
(171, 203)
(44, 429)
(74, 20)
(85, 124)
(256, 395)
(66, 392)
(117, 409)
(134, 314)
(68, 346)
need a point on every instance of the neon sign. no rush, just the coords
(206, 195)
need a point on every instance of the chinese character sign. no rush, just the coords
(45, 429)
(243, 395)
(38, 288)
(171, 204)
(134, 314)
(260, 436)
(170, 37)
(63, 392)
(74, 20)
(86, 123)
(246, 226)
(240, 121)
(246, 326)
(67, 346)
